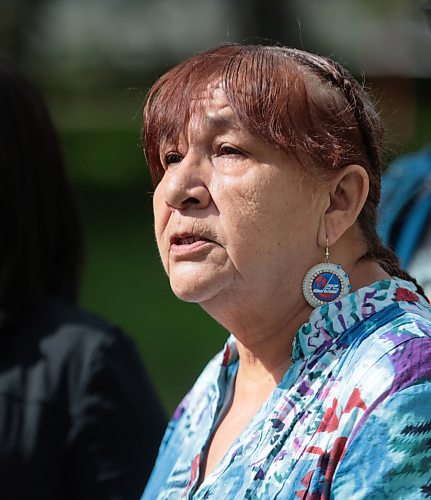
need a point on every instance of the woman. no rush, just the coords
(266, 162)
(79, 418)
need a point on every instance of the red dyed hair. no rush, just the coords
(305, 104)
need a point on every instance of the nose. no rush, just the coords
(185, 186)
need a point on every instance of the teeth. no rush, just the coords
(189, 240)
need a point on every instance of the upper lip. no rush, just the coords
(187, 238)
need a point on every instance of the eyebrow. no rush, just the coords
(218, 121)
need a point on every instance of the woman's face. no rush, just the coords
(235, 218)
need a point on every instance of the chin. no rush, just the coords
(192, 292)
(196, 287)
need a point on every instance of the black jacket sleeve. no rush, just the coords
(116, 422)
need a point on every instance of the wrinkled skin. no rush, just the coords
(236, 221)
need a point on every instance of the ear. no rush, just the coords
(347, 194)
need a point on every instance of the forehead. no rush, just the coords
(211, 107)
(209, 111)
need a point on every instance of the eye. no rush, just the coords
(173, 157)
(230, 150)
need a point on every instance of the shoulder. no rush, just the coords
(397, 353)
(384, 355)
(57, 322)
(200, 395)
(409, 323)
(396, 436)
(195, 408)
(387, 320)
(385, 388)
(76, 350)
(94, 372)
(96, 365)
(188, 427)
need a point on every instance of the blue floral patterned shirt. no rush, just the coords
(351, 418)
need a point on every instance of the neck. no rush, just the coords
(365, 272)
(362, 271)
(266, 354)
(264, 336)
(265, 324)
(265, 351)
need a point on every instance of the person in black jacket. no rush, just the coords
(79, 418)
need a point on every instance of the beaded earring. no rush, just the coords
(325, 282)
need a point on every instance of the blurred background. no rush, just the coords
(95, 60)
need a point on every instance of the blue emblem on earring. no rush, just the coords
(325, 282)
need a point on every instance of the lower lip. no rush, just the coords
(187, 249)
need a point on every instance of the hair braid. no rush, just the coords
(390, 263)
(334, 73)
(372, 133)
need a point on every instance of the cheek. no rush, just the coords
(254, 209)
(161, 218)
(248, 222)
(242, 199)
(266, 220)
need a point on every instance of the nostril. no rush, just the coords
(192, 200)
(182, 196)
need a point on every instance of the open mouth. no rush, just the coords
(186, 243)
(188, 240)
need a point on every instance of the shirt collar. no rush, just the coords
(328, 322)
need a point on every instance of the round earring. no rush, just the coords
(325, 282)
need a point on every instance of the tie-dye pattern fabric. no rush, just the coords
(350, 419)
